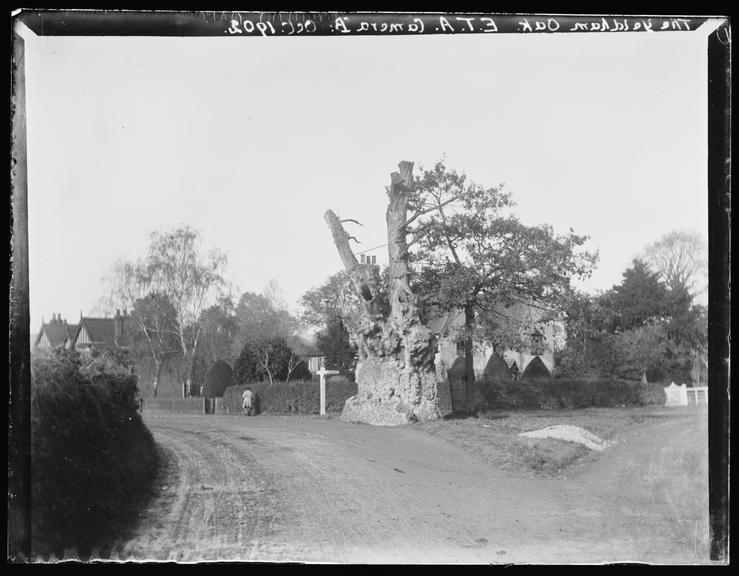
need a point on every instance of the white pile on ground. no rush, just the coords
(570, 434)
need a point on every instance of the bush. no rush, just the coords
(91, 454)
(554, 394)
(218, 378)
(295, 397)
(301, 372)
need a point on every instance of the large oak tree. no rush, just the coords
(472, 254)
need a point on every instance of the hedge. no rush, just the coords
(568, 393)
(91, 454)
(295, 397)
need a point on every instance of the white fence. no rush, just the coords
(684, 396)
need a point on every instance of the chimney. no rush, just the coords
(118, 325)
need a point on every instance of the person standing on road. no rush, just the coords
(248, 403)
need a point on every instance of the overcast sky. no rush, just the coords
(250, 140)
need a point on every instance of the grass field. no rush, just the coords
(493, 437)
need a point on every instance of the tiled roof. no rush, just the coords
(57, 332)
(101, 331)
(455, 318)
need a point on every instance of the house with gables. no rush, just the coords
(54, 335)
(88, 335)
(535, 355)
(97, 334)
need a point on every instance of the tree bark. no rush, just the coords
(469, 359)
(395, 374)
(157, 375)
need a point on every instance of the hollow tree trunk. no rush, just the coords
(395, 374)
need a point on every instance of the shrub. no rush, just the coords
(295, 397)
(91, 454)
(301, 372)
(569, 393)
(217, 379)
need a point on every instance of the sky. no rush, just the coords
(251, 140)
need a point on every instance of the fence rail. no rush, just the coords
(175, 405)
(684, 396)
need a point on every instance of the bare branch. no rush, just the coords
(438, 206)
(352, 220)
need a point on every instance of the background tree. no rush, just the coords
(639, 327)
(471, 254)
(245, 365)
(217, 379)
(276, 296)
(641, 352)
(274, 360)
(334, 342)
(589, 350)
(258, 321)
(680, 259)
(336, 296)
(177, 267)
(640, 298)
(217, 336)
(156, 322)
(155, 338)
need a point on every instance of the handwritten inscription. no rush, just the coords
(602, 25)
(239, 24)
(267, 28)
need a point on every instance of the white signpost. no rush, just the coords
(323, 373)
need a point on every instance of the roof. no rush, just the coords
(57, 332)
(447, 320)
(536, 370)
(455, 319)
(102, 331)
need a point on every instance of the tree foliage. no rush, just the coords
(184, 278)
(259, 321)
(334, 342)
(271, 359)
(640, 298)
(335, 297)
(218, 378)
(638, 328)
(470, 253)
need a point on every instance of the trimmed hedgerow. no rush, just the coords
(91, 454)
(555, 394)
(295, 397)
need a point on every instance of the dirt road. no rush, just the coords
(312, 489)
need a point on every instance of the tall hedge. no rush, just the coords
(91, 454)
(295, 397)
(551, 394)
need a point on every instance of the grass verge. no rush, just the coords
(494, 436)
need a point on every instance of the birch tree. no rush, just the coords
(191, 279)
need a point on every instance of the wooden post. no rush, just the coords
(322, 373)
